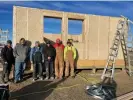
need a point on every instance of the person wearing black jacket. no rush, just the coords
(7, 60)
(49, 56)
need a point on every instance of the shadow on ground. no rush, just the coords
(35, 91)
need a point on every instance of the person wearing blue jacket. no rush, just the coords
(37, 58)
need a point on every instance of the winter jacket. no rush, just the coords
(70, 48)
(36, 55)
(49, 52)
(59, 45)
(21, 53)
(7, 55)
(43, 46)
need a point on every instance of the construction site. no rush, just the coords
(104, 49)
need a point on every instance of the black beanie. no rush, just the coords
(9, 41)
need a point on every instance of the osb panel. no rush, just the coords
(52, 13)
(21, 30)
(93, 37)
(100, 63)
(21, 14)
(85, 33)
(82, 63)
(80, 50)
(97, 63)
(88, 44)
(64, 28)
(75, 37)
(69, 36)
(113, 28)
(14, 26)
(87, 29)
(34, 26)
(76, 16)
(120, 63)
(21, 23)
(103, 37)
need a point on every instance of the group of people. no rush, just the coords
(56, 59)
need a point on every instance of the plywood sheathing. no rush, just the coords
(94, 42)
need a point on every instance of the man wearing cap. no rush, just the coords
(49, 56)
(69, 56)
(37, 58)
(59, 59)
(7, 60)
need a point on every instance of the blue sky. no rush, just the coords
(105, 8)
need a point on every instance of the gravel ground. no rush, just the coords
(66, 89)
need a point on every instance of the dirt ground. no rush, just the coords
(66, 89)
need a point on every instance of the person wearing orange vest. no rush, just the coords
(69, 56)
(59, 59)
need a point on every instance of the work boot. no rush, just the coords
(61, 78)
(46, 78)
(66, 76)
(56, 77)
(16, 81)
(33, 80)
(6, 78)
(41, 78)
(52, 78)
(73, 76)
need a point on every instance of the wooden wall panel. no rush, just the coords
(21, 24)
(93, 37)
(35, 26)
(103, 37)
(94, 42)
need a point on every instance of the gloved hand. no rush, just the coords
(42, 61)
(49, 58)
(31, 62)
(5, 62)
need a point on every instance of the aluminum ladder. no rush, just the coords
(118, 39)
(129, 44)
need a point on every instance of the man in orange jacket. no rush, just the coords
(59, 59)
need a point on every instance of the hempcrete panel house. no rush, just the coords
(94, 42)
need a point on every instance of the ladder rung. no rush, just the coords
(109, 69)
(116, 39)
(115, 44)
(107, 76)
(114, 48)
(111, 60)
(117, 33)
(112, 55)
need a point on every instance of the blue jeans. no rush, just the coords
(19, 70)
